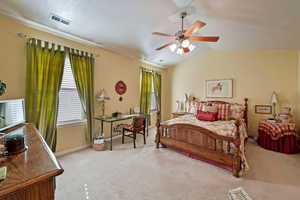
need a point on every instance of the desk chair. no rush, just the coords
(138, 126)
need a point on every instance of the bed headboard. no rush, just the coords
(224, 102)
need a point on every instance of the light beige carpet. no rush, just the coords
(146, 173)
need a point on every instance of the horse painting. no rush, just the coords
(217, 88)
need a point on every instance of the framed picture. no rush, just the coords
(219, 88)
(263, 109)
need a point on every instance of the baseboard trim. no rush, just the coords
(114, 137)
(69, 151)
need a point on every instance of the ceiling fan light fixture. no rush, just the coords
(180, 51)
(192, 47)
(185, 43)
(173, 47)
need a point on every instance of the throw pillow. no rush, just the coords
(207, 116)
(207, 108)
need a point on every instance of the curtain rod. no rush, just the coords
(22, 35)
(150, 70)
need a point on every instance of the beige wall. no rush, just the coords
(255, 73)
(109, 68)
(298, 94)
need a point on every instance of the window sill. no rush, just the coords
(71, 123)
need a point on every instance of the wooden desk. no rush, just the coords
(122, 117)
(31, 174)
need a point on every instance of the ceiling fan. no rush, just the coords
(183, 38)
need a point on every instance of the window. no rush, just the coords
(14, 111)
(153, 105)
(69, 108)
(11, 113)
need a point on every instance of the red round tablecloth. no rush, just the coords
(285, 144)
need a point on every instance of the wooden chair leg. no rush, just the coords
(134, 137)
(123, 132)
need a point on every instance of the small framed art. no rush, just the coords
(263, 109)
(219, 88)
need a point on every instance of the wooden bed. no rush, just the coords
(206, 149)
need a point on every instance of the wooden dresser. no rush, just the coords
(31, 174)
(178, 114)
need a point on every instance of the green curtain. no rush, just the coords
(44, 70)
(145, 91)
(157, 89)
(83, 71)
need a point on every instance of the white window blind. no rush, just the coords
(69, 109)
(11, 113)
(14, 112)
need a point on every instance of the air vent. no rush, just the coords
(59, 19)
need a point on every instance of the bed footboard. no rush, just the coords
(201, 142)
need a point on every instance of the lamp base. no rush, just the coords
(102, 108)
(274, 111)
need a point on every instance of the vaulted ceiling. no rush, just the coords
(125, 26)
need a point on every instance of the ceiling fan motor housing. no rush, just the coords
(180, 35)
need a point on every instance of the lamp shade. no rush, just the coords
(102, 96)
(274, 98)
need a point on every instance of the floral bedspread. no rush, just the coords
(224, 128)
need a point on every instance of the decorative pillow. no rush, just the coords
(237, 111)
(207, 116)
(208, 108)
(223, 111)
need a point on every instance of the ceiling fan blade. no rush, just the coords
(194, 28)
(164, 46)
(205, 39)
(164, 35)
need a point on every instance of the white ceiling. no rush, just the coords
(125, 26)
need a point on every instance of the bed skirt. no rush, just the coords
(197, 157)
(286, 144)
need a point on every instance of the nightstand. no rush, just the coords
(279, 137)
(178, 114)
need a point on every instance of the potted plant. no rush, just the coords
(2, 87)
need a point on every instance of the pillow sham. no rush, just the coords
(195, 106)
(223, 111)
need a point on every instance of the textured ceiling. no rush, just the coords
(125, 26)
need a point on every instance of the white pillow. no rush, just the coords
(207, 108)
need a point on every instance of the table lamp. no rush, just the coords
(274, 101)
(102, 97)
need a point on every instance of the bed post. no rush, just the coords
(246, 111)
(237, 156)
(157, 139)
